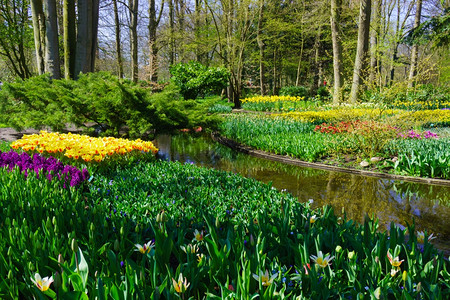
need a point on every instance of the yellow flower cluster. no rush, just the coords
(335, 115)
(272, 99)
(435, 104)
(77, 146)
(343, 114)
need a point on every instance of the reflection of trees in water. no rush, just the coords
(387, 200)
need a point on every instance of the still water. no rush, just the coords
(391, 201)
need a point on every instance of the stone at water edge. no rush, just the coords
(364, 164)
(376, 159)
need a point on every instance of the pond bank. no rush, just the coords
(297, 162)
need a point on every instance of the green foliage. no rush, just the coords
(98, 98)
(86, 241)
(293, 90)
(422, 157)
(219, 108)
(424, 96)
(174, 113)
(435, 29)
(195, 79)
(279, 136)
(323, 92)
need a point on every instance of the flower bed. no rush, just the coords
(50, 167)
(357, 139)
(278, 103)
(83, 148)
(170, 230)
(391, 116)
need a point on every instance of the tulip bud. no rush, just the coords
(48, 224)
(338, 249)
(10, 275)
(419, 287)
(158, 218)
(136, 229)
(116, 245)
(92, 227)
(163, 217)
(57, 280)
(54, 220)
(252, 240)
(60, 259)
(405, 275)
(121, 231)
(217, 222)
(74, 245)
(24, 222)
(30, 266)
(351, 255)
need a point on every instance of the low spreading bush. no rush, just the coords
(101, 99)
(295, 91)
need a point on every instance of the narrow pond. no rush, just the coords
(391, 201)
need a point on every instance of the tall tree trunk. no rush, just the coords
(181, 9)
(118, 40)
(93, 32)
(262, 46)
(374, 42)
(87, 28)
(197, 24)
(362, 47)
(37, 15)
(317, 46)
(70, 38)
(152, 26)
(337, 49)
(171, 33)
(52, 62)
(415, 47)
(133, 5)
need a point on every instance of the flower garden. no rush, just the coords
(404, 142)
(103, 218)
(88, 218)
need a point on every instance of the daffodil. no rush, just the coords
(264, 277)
(145, 248)
(181, 285)
(189, 248)
(395, 262)
(198, 235)
(42, 283)
(313, 219)
(421, 237)
(200, 257)
(322, 261)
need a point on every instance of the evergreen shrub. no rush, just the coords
(292, 90)
(195, 79)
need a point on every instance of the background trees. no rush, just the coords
(265, 44)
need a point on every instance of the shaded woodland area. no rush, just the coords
(346, 45)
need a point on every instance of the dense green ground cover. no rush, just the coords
(219, 230)
(419, 152)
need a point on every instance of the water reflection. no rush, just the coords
(388, 200)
